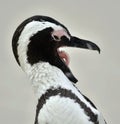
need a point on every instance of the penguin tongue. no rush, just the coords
(64, 56)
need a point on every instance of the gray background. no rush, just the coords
(99, 75)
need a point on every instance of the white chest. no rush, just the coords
(67, 106)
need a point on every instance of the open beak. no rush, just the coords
(73, 42)
(80, 43)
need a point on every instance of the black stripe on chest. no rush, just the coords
(68, 94)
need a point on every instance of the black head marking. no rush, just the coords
(41, 47)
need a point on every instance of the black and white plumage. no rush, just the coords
(36, 44)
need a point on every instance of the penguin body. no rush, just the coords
(36, 44)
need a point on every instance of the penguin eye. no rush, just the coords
(56, 38)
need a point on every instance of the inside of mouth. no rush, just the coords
(64, 56)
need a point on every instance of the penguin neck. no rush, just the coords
(44, 76)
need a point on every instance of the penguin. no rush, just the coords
(36, 46)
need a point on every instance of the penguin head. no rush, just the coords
(38, 39)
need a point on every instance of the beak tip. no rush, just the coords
(99, 51)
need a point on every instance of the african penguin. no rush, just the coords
(35, 45)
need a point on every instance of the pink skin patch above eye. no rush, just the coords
(64, 56)
(60, 33)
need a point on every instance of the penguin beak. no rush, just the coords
(80, 43)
